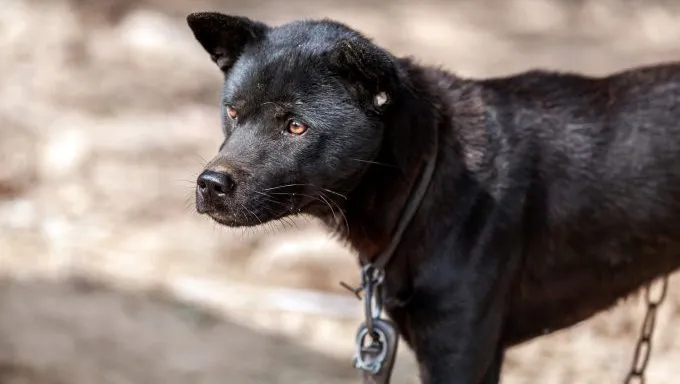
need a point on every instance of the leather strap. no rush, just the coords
(376, 360)
(416, 198)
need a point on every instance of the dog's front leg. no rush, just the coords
(493, 374)
(459, 304)
(461, 347)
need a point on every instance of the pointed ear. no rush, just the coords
(366, 65)
(224, 36)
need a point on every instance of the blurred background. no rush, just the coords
(108, 110)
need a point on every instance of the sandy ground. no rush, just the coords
(107, 112)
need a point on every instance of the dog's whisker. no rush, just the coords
(282, 186)
(335, 193)
(186, 181)
(292, 223)
(200, 160)
(320, 198)
(253, 214)
(335, 216)
(342, 213)
(280, 221)
(307, 185)
(271, 199)
(375, 163)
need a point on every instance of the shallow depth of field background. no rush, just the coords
(109, 108)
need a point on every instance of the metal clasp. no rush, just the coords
(377, 338)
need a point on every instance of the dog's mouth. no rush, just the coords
(223, 219)
(256, 209)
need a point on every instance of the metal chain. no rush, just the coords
(643, 349)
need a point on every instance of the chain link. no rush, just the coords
(643, 349)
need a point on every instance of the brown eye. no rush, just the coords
(296, 128)
(231, 111)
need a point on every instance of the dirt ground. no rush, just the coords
(108, 109)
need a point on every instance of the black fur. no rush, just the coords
(554, 194)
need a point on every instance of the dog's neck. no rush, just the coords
(375, 207)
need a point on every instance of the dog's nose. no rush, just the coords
(215, 184)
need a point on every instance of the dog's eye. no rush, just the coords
(296, 128)
(232, 112)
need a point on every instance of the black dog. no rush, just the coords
(553, 195)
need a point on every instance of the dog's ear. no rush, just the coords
(365, 65)
(223, 36)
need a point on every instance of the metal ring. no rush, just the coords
(374, 366)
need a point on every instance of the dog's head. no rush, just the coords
(303, 108)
